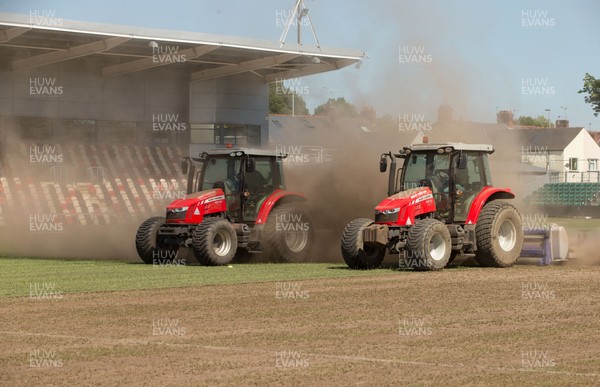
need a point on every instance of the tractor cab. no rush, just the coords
(454, 173)
(246, 177)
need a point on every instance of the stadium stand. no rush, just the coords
(95, 184)
(566, 194)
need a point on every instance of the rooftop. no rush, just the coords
(455, 145)
(31, 41)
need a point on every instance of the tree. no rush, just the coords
(591, 87)
(387, 124)
(369, 113)
(338, 106)
(540, 121)
(284, 100)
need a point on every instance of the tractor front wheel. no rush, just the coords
(356, 254)
(429, 245)
(499, 235)
(214, 242)
(147, 246)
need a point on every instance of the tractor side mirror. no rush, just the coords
(383, 164)
(462, 161)
(250, 165)
(184, 165)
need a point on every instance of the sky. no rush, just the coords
(476, 56)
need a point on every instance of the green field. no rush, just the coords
(577, 224)
(77, 276)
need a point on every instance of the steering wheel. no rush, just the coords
(441, 179)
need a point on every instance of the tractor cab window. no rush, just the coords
(430, 170)
(260, 184)
(279, 180)
(262, 177)
(427, 169)
(222, 172)
(469, 181)
(225, 173)
(473, 177)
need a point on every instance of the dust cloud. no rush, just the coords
(584, 246)
(347, 187)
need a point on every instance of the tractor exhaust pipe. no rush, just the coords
(392, 176)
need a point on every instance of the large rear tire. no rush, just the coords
(428, 246)
(499, 234)
(214, 242)
(288, 234)
(147, 246)
(355, 253)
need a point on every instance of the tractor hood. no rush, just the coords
(193, 207)
(401, 208)
(197, 197)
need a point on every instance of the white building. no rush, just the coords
(568, 154)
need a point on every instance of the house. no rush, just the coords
(568, 154)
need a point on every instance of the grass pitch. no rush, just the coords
(118, 323)
(80, 276)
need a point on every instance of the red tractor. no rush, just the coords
(236, 200)
(441, 204)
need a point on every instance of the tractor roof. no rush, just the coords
(243, 151)
(454, 145)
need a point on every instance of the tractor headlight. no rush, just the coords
(180, 209)
(391, 211)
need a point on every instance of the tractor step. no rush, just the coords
(243, 233)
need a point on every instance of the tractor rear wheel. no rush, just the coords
(499, 235)
(288, 234)
(147, 246)
(428, 246)
(356, 254)
(214, 242)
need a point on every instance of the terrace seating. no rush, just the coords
(95, 184)
(566, 194)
